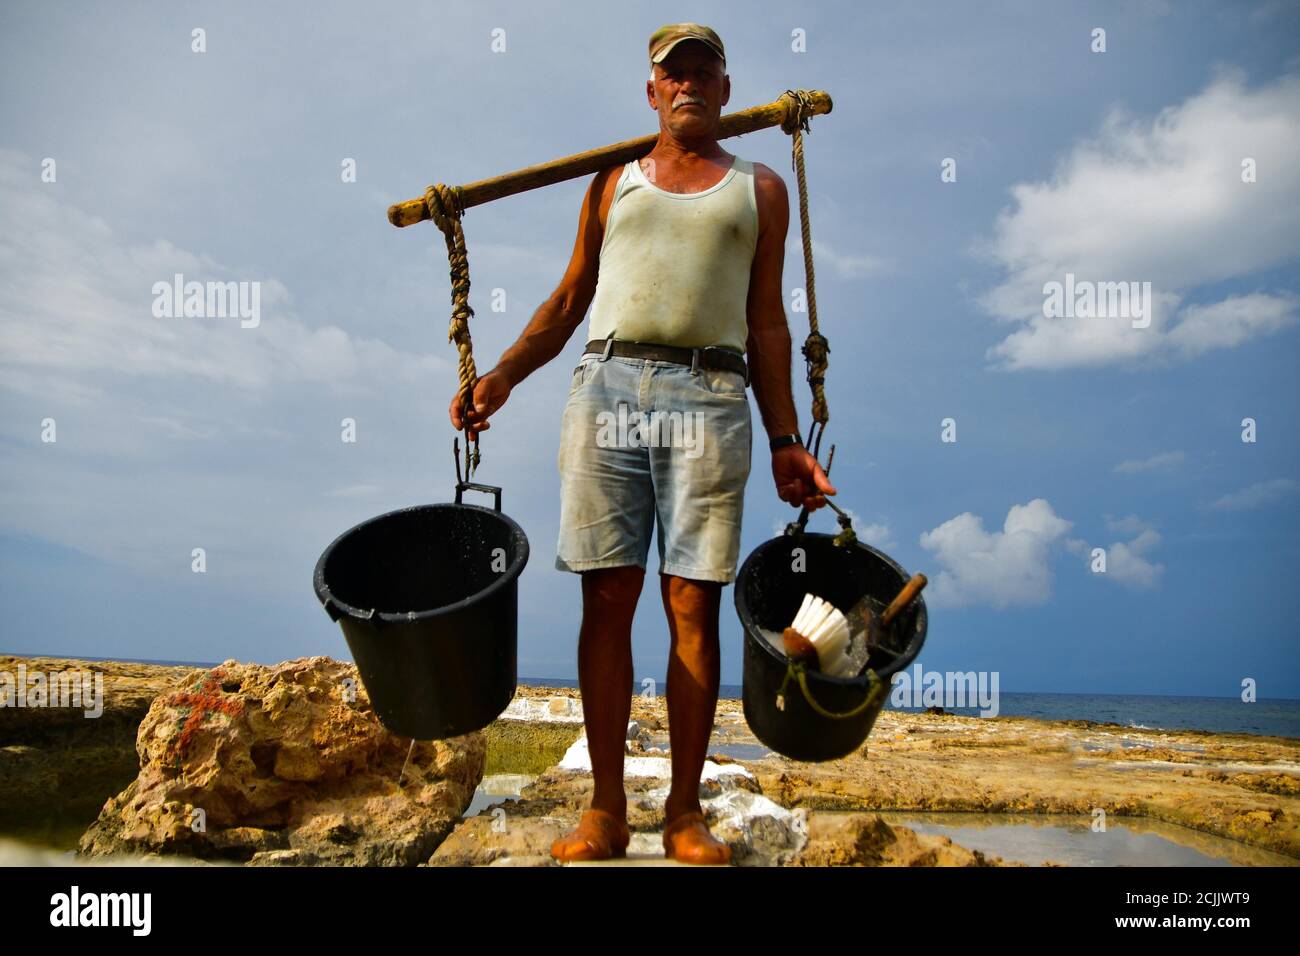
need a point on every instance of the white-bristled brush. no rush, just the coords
(819, 635)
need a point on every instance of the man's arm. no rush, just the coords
(555, 319)
(768, 347)
(799, 478)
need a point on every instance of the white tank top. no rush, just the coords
(674, 267)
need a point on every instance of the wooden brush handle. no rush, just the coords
(910, 590)
(798, 647)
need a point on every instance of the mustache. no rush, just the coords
(688, 100)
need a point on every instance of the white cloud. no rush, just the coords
(1256, 495)
(844, 264)
(1268, 10)
(493, 259)
(1232, 321)
(76, 312)
(1126, 562)
(876, 535)
(1162, 201)
(1168, 459)
(174, 433)
(1000, 568)
(1131, 524)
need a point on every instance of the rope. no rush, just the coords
(798, 110)
(445, 210)
(816, 349)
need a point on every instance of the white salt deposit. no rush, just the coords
(578, 759)
(555, 710)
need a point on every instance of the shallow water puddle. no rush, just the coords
(734, 750)
(1128, 841)
(742, 751)
(496, 788)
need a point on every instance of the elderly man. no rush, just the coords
(679, 256)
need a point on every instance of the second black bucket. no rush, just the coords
(820, 718)
(428, 599)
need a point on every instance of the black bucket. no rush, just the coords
(428, 606)
(817, 717)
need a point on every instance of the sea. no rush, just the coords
(1269, 717)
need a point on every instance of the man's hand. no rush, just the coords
(490, 394)
(799, 478)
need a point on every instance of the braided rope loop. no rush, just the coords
(445, 210)
(815, 348)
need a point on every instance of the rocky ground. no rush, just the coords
(288, 765)
(57, 759)
(760, 831)
(1240, 787)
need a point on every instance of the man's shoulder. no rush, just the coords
(769, 188)
(602, 188)
(767, 179)
(610, 174)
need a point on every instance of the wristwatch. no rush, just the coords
(781, 441)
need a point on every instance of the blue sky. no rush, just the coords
(1072, 434)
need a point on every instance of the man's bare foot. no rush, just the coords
(599, 835)
(687, 839)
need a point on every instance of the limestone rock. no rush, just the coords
(865, 839)
(498, 839)
(285, 765)
(59, 763)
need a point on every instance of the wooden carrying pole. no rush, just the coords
(581, 164)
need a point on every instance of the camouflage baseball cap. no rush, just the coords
(665, 38)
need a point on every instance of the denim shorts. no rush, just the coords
(645, 441)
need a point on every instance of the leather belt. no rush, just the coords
(711, 357)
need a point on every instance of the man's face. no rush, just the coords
(689, 91)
